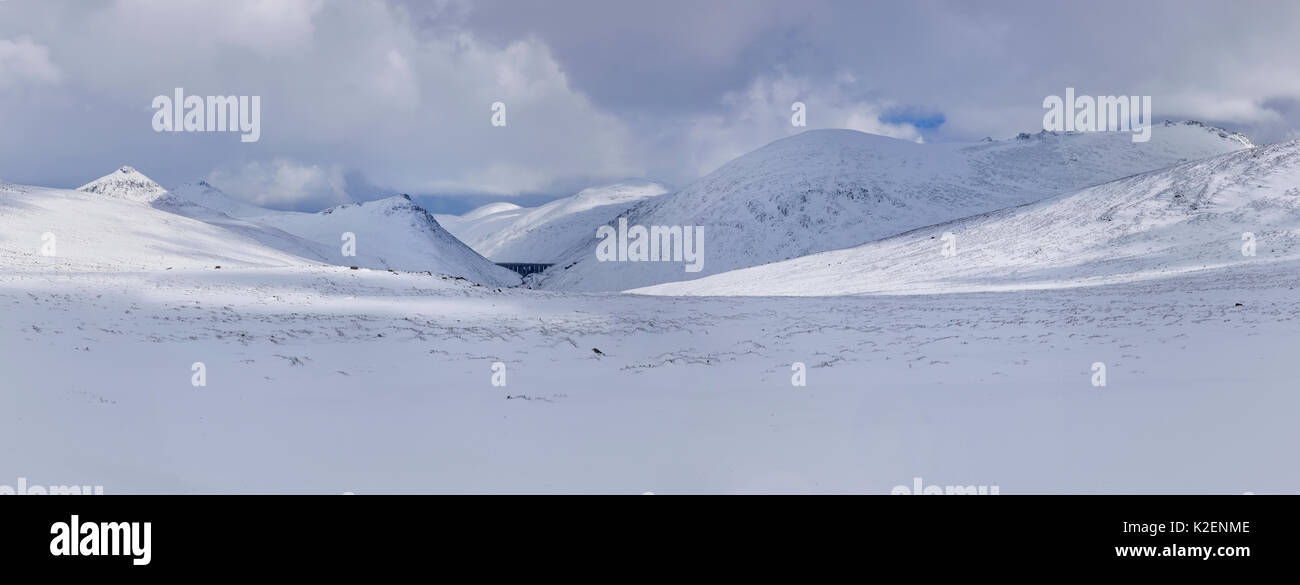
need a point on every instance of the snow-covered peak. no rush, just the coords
(1229, 136)
(388, 206)
(489, 209)
(1220, 132)
(126, 183)
(616, 193)
(625, 190)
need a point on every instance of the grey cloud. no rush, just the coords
(382, 97)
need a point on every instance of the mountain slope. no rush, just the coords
(126, 221)
(489, 209)
(509, 233)
(481, 222)
(1186, 218)
(828, 189)
(391, 233)
(213, 198)
(95, 232)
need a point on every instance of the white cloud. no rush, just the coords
(25, 61)
(264, 27)
(283, 182)
(399, 91)
(762, 112)
(1224, 107)
(356, 86)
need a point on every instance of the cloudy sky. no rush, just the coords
(365, 98)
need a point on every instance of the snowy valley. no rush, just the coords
(824, 250)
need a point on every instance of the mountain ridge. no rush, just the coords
(822, 190)
(1194, 216)
(541, 234)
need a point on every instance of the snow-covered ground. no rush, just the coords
(326, 380)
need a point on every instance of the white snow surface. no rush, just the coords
(508, 233)
(1186, 218)
(829, 189)
(326, 380)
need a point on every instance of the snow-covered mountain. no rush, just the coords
(391, 233)
(828, 189)
(127, 221)
(1191, 217)
(213, 198)
(126, 183)
(508, 233)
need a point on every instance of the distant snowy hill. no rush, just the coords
(213, 198)
(509, 233)
(1187, 218)
(828, 189)
(480, 212)
(125, 220)
(481, 222)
